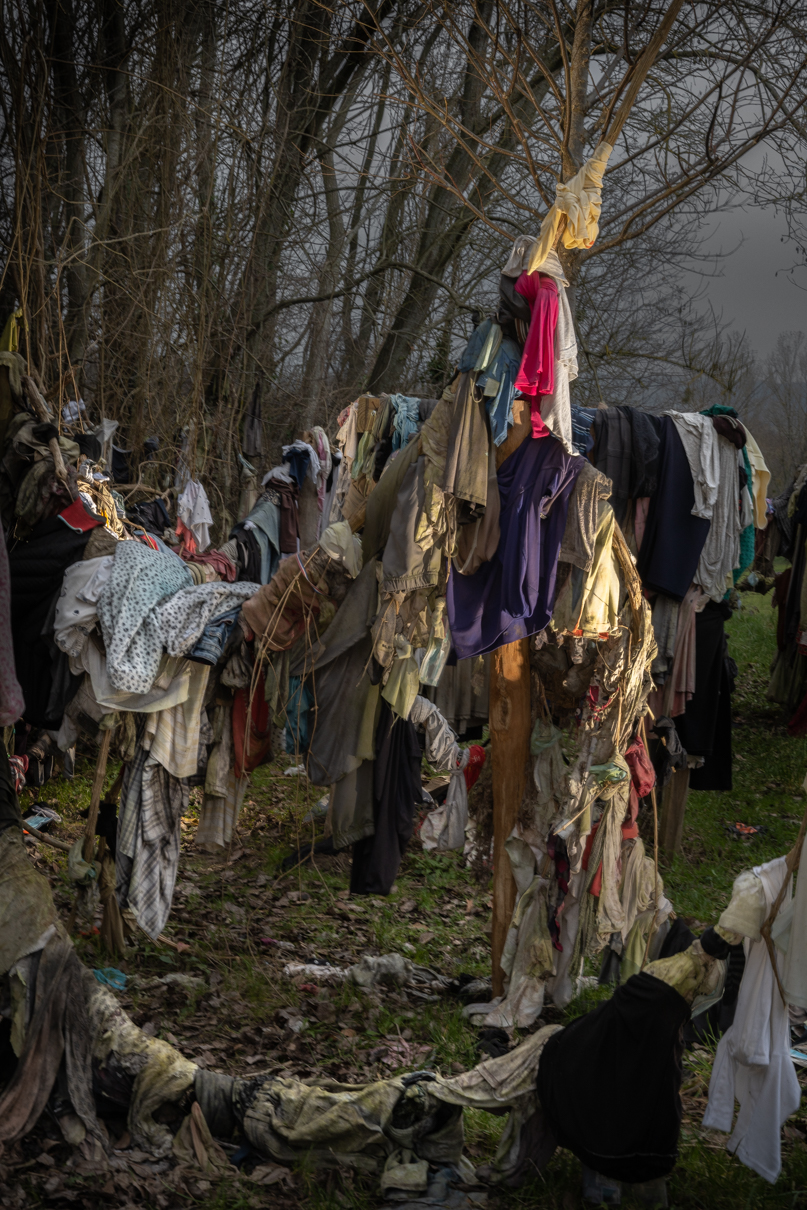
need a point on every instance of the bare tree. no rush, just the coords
(196, 197)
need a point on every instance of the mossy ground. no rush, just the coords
(232, 915)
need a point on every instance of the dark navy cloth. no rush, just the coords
(298, 461)
(214, 637)
(673, 538)
(511, 597)
(582, 420)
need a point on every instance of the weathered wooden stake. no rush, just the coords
(510, 737)
(673, 806)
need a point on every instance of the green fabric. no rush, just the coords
(26, 902)
(382, 500)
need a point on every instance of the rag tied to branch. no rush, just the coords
(580, 202)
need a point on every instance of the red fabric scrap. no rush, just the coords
(252, 742)
(76, 517)
(476, 759)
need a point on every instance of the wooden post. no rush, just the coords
(510, 738)
(673, 806)
(95, 796)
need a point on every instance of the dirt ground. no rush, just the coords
(237, 922)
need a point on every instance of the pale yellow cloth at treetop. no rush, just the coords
(580, 200)
(761, 477)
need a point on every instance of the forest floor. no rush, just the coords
(238, 923)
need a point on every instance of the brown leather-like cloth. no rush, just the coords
(282, 609)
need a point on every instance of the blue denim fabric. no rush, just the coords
(474, 346)
(503, 369)
(298, 724)
(214, 638)
(407, 419)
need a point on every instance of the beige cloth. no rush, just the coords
(580, 200)
(761, 478)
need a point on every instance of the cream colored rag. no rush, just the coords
(580, 200)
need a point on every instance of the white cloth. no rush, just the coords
(76, 609)
(278, 474)
(699, 439)
(753, 1060)
(193, 510)
(342, 545)
(183, 617)
(556, 409)
(170, 687)
(721, 550)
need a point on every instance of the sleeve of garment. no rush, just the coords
(761, 478)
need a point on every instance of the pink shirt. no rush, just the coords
(536, 375)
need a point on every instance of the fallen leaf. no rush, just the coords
(408, 905)
(424, 937)
(269, 1174)
(123, 1142)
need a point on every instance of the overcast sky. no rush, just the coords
(753, 288)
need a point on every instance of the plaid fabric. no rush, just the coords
(152, 805)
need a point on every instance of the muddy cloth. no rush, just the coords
(630, 1048)
(781, 586)
(466, 473)
(36, 569)
(511, 596)
(337, 672)
(673, 538)
(705, 726)
(9, 806)
(26, 902)
(396, 789)
(626, 449)
(58, 1031)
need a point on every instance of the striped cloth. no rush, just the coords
(152, 805)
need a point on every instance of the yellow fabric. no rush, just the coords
(760, 478)
(596, 612)
(10, 340)
(580, 200)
